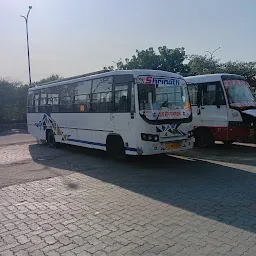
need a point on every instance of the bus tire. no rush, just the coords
(115, 146)
(50, 139)
(203, 138)
(228, 143)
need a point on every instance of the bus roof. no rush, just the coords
(212, 77)
(101, 74)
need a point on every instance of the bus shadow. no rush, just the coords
(211, 190)
(243, 154)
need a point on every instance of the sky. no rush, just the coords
(72, 37)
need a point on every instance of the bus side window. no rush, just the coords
(66, 93)
(209, 94)
(193, 94)
(102, 95)
(220, 95)
(43, 101)
(212, 94)
(30, 104)
(53, 99)
(121, 98)
(36, 101)
(123, 93)
(83, 96)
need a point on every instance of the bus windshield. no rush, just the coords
(238, 92)
(163, 98)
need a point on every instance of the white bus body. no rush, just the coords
(223, 108)
(138, 112)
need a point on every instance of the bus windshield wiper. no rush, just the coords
(164, 104)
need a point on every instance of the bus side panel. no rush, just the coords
(36, 126)
(125, 126)
(83, 129)
(91, 129)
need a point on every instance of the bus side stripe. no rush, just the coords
(98, 144)
(87, 142)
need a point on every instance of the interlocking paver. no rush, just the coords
(7, 253)
(110, 208)
(37, 253)
(13, 154)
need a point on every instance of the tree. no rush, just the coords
(13, 97)
(49, 79)
(246, 69)
(167, 59)
(200, 65)
(173, 60)
(145, 59)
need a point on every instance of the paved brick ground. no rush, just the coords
(103, 207)
(15, 136)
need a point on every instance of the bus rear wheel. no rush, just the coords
(115, 146)
(50, 139)
(203, 138)
(228, 143)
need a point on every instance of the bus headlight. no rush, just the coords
(149, 137)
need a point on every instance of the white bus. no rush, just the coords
(138, 112)
(223, 108)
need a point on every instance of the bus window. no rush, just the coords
(220, 95)
(66, 100)
(53, 99)
(193, 94)
(30, 103)
(209, 94)
(102, 95)
(121, 98)
(82, 100)
(212, 94)
(36, 98)
(83, 96)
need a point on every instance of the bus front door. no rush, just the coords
(212, 110)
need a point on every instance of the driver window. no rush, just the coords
(212, 94)
(209, 94)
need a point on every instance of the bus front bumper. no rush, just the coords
(167, 147)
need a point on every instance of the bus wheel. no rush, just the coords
(227, 143)
(203, 138)
(115, 146)
(51, 139)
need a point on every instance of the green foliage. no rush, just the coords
(166, 59)
(48, 79)
(199, 65)
(246, 69)
(172, 60)
(13, 99)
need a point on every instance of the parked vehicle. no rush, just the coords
(223, 108)
(137, 112)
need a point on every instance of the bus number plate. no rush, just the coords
(171, 146)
